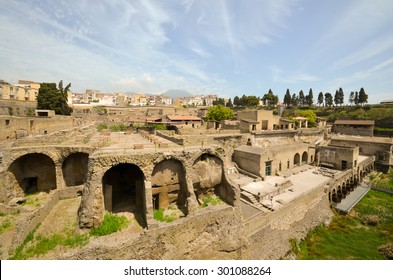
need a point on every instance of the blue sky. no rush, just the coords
(221, 47)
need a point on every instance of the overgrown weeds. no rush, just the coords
(111, 223)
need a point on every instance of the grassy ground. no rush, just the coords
(356, 236)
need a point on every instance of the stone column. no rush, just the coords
(60, 183)
(148, 200)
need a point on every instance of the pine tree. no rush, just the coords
(287, 98)
(356, 98)
(294, 100)
(320, 99)
(341, 95)
(301, 98)
(363, 97)
(328, 99)
(310, 98)
(351, 98)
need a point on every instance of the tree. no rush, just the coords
(320, 99)
(310, 98)
(294, 100)
(249, 101)
(328, 99)
(301, 98)
(236, 101)
(51, 98)
(270, 99)
(287, 98)
(336, 98)
(351, 99)
(229, 103)
(363, 97)
(356, 98)
(219, 101)
(219, 113)
(341, 96)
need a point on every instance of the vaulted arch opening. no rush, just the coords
(296, 159)
(124, 191)
(169, 185)
(209, 180)
(75, 168)
(304, 157)
(33, 173)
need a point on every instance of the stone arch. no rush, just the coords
(304, 157)
(296, 159)
(334, 196)
(75, 168)
(124, 191)
(169, 184)
(208, 178)
(34, 172)
(339, 194)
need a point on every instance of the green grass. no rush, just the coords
(40, 245)
(101, 127)
(160, 216)
(5, 225)
(381, 180)
(353, 236)
(210, 200)
(110, 224)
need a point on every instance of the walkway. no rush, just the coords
(352, 199)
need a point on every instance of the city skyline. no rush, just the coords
(222, 47)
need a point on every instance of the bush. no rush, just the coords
(101, 127)
(371, 220)
(210, 200)
(160, 216)
(386, 250)
(110, 224)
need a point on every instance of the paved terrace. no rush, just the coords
(303, 179)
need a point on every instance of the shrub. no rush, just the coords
(210, 200)
(160, 216)
(110, 224)
(101, 127)
(386, 250)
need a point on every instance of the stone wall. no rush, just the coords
(270, 234)
(19, 108)
(14, 127)
(214, 233)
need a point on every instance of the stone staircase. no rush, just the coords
(251, 198)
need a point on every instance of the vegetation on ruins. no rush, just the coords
(161, 216)
(5, 225)
(381, 180)
(366, 233)
(39, 245)
(111, 223)
(210, 200)
(52, 98)
(219, 113)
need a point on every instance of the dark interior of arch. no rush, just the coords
(169, 185)
(34, 173)
(124, 191)
(209, 178)
(75, 169)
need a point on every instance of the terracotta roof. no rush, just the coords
(354, 122)
(153, 119)
(184, 118)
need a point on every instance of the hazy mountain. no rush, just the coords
(173, 93)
